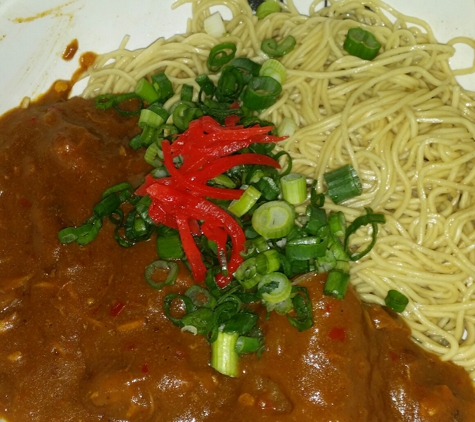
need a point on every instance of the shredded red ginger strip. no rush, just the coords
(179, 201)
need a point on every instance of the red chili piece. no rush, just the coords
(337, 333)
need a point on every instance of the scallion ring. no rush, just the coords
(170, 268)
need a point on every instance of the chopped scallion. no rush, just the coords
(396, 301)
(266, 8)
(294, 188)
(224, 357)
(274, 219)
(343, 183)
(247, 200)
(362, 44)
(336, 284)
(274, 69)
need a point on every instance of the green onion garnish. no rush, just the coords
(145, 90)
(343, 183)
(369, 218)
(294, 188)
(274, 49)
(337, 223)
(169, 247)
(396, 301)
(274, 69)
(274, 219)
(224, 357)
(245, 344)
(287, 127)
(266, 8)
(156, 268)
(149, 118)
(261, 92)
(163, 86)
(247, 200)
(220, 55)
(336, 284)
(104, 101)
(362, 44)
(274, 287)
(128, 104)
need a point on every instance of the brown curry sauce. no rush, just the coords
(84, 338)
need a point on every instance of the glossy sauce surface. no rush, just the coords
(84, 338)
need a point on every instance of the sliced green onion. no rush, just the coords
(214, 25)
(363, 220)
(168, 304)
(206, 84)
(280, 307)
(362, 44)
(294, 188)
(274, 69)
(149, 118)
(287, 127)
(302, 317)
(305, 248)
(247, 270)
(274, 287)
(186, 93)
(268, 187)
(268, 261)
(274, 219)
(200, 321)
(124, 99)
(250, 283)
(245, 344)
(147, 135)
(104, 101)
(230, 85)
(169, 268)
(396, 301)
(247, 200)
(336, 284)
(224, 357)
(266, 8)
(241, 323)
(200, 296)
(224, 180)
(220, 55)
(337, 223)
(135, 143)
(145, 90)
(67, 235)
(343, 183)
(153, 154)
(88, 231)
(120, 188)
(248, 67)
(106, 206)
(261, 92)
(184, 113)
(317, 218)
(163, 86)
(254, 246)
(274, 49)
(169, 247)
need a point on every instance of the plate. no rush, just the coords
(34, 35)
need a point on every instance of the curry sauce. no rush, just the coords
(84, 338)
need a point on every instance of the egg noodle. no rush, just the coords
(402, 120)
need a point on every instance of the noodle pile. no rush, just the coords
(402, 120)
